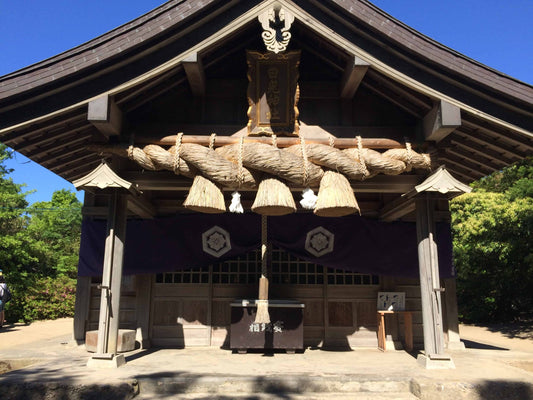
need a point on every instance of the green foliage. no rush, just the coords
(45, 298)
(38, 249)
(493, 231)
(55, 228)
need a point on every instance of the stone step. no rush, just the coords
(273, 385)
(291, 396)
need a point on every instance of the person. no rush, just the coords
(3, 289)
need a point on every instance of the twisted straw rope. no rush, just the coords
(251, 158)
(361, 158)
(177, 158)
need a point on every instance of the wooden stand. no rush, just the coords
(407, 325)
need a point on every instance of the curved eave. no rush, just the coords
(47, 120)
(136, 47)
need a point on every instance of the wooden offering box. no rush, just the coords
(285, 330)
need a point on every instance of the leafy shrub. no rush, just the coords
(46, 298)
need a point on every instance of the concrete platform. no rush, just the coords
(55, 368)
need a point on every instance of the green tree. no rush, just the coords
(55, 228)
(15, 250)
(38, 249)
(493, 232)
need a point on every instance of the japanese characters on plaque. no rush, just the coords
(273, 93)
(391, 301)
(274, 327)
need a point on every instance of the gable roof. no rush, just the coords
(43, 108)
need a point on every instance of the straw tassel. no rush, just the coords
(335, 196)
(273, 197)
(262, 316)
(204, 196)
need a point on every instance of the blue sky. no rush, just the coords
(494, 32)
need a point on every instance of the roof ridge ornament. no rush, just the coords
(276, 22)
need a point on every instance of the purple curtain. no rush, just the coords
(348, 243)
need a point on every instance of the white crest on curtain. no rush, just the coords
(319, 241)
(216, 241)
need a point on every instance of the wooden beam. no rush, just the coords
(204, 140)
(397, 209)
(105, 115)
(353, 75)
(166, 181)
(442, 120)
(142, 207)
(195, 74)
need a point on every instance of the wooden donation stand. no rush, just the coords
(285, 331)
(407, 324)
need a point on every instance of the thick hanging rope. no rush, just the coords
(300, 163)
(177, 158)
(361, 158)
(236, 206)
(309, 198)
(262, 316)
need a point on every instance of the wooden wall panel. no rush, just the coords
(194, 312)
(340, 314)
(166, 312)
(221, 316)
(366, 314)
(313, 313)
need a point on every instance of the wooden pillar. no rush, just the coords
(106, 349)
(143, 285)
(83, 294)
(452, 315)
(434, 356)
(81, 307)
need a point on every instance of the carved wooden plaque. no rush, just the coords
(273, 93)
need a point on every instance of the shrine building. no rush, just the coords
(266, 174)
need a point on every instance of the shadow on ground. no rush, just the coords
(499, 390)
(513, 330)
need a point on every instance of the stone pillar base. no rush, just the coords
(434, 361)
(456, 346)
(102, 361)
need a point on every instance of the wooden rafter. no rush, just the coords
(494, 143)
(43, 126)
(442, 120)
(481, 160)
(73, 146)
(476, 148)
(446, 155)
(192, 64)
(353, 75)
(59, 137)
(105, 115)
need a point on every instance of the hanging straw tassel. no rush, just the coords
(335, 196)
(205, 197)
(273, 197)
(262, 316)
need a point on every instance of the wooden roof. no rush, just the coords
(159, 70)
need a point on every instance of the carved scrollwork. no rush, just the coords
(276, 23)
